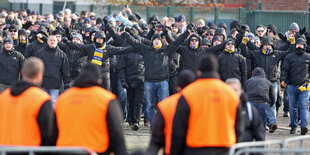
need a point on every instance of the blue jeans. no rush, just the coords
(122, 98)
(153, 90)
(271, 111)
(54, 95)
(261, 108)
(297, 100)
(286, 107)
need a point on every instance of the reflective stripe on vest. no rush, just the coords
(18, 117)
(213, 107)
(81, 118)
(167, 108)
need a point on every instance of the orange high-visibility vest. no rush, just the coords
(213, 108)
(18, 117)
(81, 118)
(167, 108)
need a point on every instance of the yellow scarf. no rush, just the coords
(157, 47)
(98, 56)
(15, 38)
(40, 40)
(266, 52)
(23, 42)
(229, 51)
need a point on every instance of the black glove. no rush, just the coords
(108, 26)
(165, 31)
(307, 35)
(282, 37)
(302, 31)
(105, 20)
(124, 84)
(65, 40)
(127, 29)
(242, 30)
(125, 35)
(190, 27)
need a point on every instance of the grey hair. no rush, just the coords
(234, 81)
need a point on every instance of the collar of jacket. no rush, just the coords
(210, 75)
(8, 52)
(40, 40)
(19, 87)
(51, 49)
(229, 51)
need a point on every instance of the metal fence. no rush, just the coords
(281, 19)
(47, 149)
(295, 145)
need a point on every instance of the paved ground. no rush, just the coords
(139, 140)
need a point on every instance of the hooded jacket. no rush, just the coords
(295, 68)
(258, 88)
(232, 65)
(36, 45)
(21, 47)
(56, 67)
(11, 63)
(190, 57)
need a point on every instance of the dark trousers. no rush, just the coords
(172, 84)
(135, 97)
(106, 83)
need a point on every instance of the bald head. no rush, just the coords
(32, 70)
(52, 41)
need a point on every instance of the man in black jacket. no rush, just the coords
(295, 73)
(268, 58)
(11, 62)
(232, 64)
(56, 68)
(26, 109)
(260, 92)
(156, 58)
(22, 41)
(39, 43)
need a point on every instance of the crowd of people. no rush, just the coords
(72, 79)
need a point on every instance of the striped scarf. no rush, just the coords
(98, 56)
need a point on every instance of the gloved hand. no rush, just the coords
(292, 40)
(302, 31)
(304, 87)
(124, 84)
(65, 40)
(105, 20)
(283, 84)
(108, 26)
(245, 40)
(282, 37)
(190, 27)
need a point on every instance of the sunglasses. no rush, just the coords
(260, 31)
(194, 40)
(270, 31)
(13, 30)
(229, 44)
(209, 34)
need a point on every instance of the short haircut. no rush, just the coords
(234, 81)
(32, 67)
(208, 63)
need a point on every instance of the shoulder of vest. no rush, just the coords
(38, 92)
(172, 98)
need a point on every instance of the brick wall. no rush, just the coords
(301, 5)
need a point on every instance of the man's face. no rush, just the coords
(52, 42)
(300, 45)
(22, 38)
(157, 42)
(267, 47)
(216, 42)
(270, 33)
(36, 27)
(293, 32)
(210, 36)
(13, 33)
(194, 41)
(58, 36)
(8, 46)
(100, 40)
(174, 29)
(76, 40)
(230, 46)
(182, 24)
(260, 31)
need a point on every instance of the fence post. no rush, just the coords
(168, 11)
(240, 14)
(109, 9)
(41, 8)
(20, 6)
(91, 8)
(148, 12)
(260, 6)
(11, 6)
(216, 15)
(192, 14)
(247, 6)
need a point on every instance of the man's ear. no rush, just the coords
(99, 81)
(199, 73)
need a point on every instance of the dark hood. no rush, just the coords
(197, 36)
(19, 87)
(259, 72)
